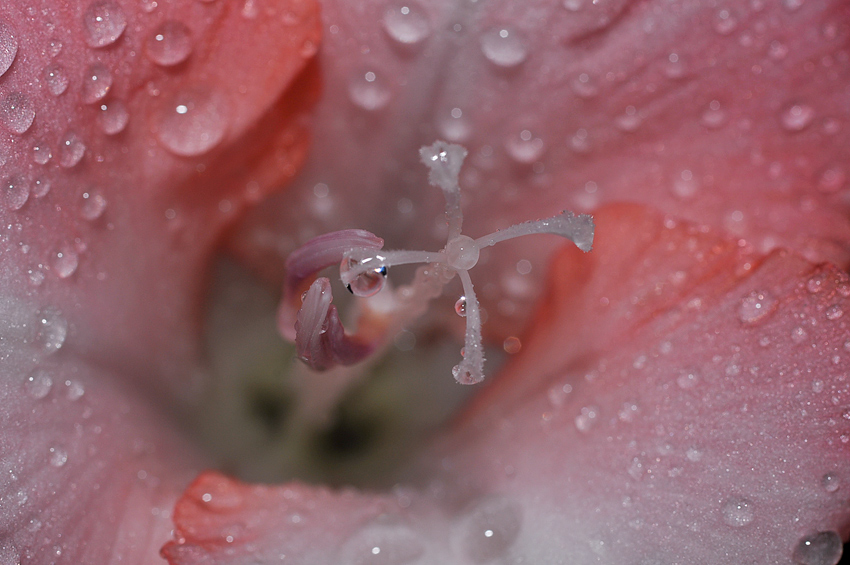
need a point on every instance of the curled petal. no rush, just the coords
(320, 252)
(320, 339)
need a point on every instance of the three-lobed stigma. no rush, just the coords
(321, 341)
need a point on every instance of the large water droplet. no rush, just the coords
(193, 122)
(369, 91)
(103, 22)
(365, 284)
(93, 205)
(503, 47)
(460, 307)
(96, 83)
(407, 23)
(113, 117)
(170, 44)
(41, 153)
(58, 456)
(462, 253)
(52, 329)
(38, 384)
(822, 548)
(8, 47)
(65, 263)
(16, 192)
(56, 79)
(738, 512)
(756, 306)
(525, 148)
(17, 112)
(489, 529)
(797, 117)
(382, 545)
(71, 149)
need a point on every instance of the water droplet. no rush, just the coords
(74, 390)
(462, 253)
(54, 47)
(71, 149)
(56, 79)
(365, 284)
(798, 335)
(675, 67)
(16, 192)
(40, 188)
(65, 263)
(489, 529)
(834, 312)
(630, 120)
(503, 47)
(573, 5)
(113, 117)
(58, 456)
(96, 83)
(817, 385)
(584, 86)
(822, 548)
(193, 122)
(103, 23)
(38, 384)
(454, 126)
(460, 307)
(588, 417)
(832, 179)
(512, 345)
(93, 205)
(170, 44)
(796, 117)
(369, 91)
(685, 184)
(8, 47)
(738, 512)
(688, 379)
(407, 23)
(52, 329)
(17, 112)
(628, 412)
(830, 482)
(815, 284)
(525, 148)
(756, 306)
(382, 545)
(41, 153)
(792, 5)
(713, 117)
(693, 454)
(725, 24)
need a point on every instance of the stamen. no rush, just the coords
(320, 337)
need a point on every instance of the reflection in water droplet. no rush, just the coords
(58, 456)
(797, 117)
(65, 263)
(38, 384)
(525, 148)
(96, 83)
(170, 44)
(93, 205)
(17, 113)
(103, 22)
(738, 512)
(830, 482)
(756, 306)
(503, 47)
(822, 548)
(52, 329)
(8, 47)
(489, 529)
(16, 192)
(407, 23)
(56, 79)
(369, 90)
(382, 545)
(41, 153)
(193, 122)
(71, 149)
(365, 284)
(113, 117)
(460, 307)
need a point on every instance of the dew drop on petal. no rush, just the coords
(103, 22)
(52, 329)
(685, 184)
(16, 192)
(834, 312)
(629, 121)
(792, 5)
(799, 334)
(41, 153)
(74, 390)
(462, 253)
(486, 532)
(8, 47)
(96, 83)
(58, 456)
(407, 23)
(40, 188)
(584, 86)
(193, 122)
(525, 148)
(93, 205)
(756, 306)
(688, 379)
(822, 548)
(56, 79)
(588, 417)
(112, 117)
(503, 47)
(366, 284)
(170, 44)
(65, 263)
(368, 90)
(38, 384)
(725, 23)
(713, 117)
(796, 117)
(830, 482)
(382, 545)
(738, 512)
(71, 149)
(17, 113)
